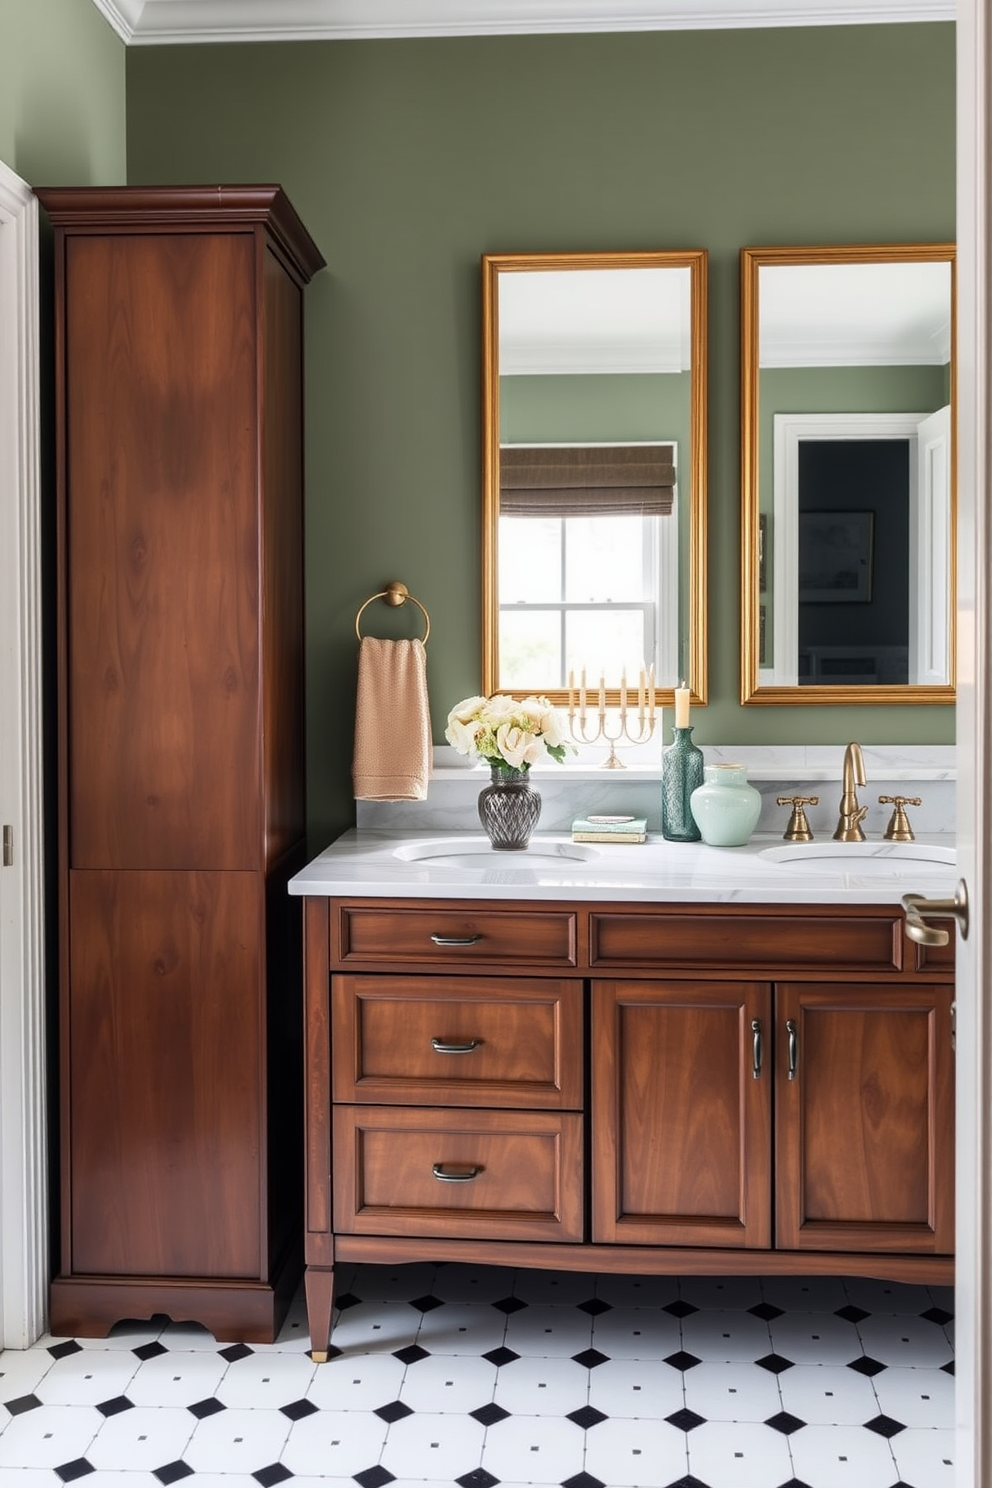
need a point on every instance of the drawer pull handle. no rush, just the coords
(455, 1175)
(756, 1054)
(790, 1029)
(455, 940)
(441, 1047)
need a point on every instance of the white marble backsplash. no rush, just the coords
(580, 787)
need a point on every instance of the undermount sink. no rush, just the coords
(478, 852)
(876, 858)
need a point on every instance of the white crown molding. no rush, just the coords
(160, 22)
(123, 15)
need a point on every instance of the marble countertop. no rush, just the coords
(384, 864)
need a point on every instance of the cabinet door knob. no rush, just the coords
(756, 1047)
(790, 1029)
(441, 1046)
(455, 940)
(465, 1174)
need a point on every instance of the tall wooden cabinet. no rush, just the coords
(178, 339)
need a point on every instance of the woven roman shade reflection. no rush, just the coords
(587, 480)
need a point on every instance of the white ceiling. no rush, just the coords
(588, 320)
(638, 320)
(156, 22)
(855, 315)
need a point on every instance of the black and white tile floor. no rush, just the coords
(478, 1376)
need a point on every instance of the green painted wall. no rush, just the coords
(62, 94)
(408, 159)
(591, 408)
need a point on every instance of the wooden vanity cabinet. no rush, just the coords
(664, 1088)
(179, 406)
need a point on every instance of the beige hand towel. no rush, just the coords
(392, 760)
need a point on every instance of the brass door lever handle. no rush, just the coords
(919, 910)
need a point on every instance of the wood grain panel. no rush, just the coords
(865, 1131)
(502, 1042)
(165, 1060)
(681, 1129)
(529, 1183)
(646, 1260)
(283, 665)
(163, 552)
(709, 940)
(317, 1034)
(456, 936)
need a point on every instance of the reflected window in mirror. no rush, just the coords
(588, 538)
(594, 516)
(847, 474)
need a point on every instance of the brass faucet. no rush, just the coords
(851, 813)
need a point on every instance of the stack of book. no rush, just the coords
(609, 829)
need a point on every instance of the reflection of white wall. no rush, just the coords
(595, 320)
(929, 553)
(855, 315)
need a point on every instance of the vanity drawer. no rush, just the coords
(481, 1041)
(456, 935)
(511, 1175)
(782, 943)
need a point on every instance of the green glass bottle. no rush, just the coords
(681, 774)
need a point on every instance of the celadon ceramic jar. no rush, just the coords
(725, 807)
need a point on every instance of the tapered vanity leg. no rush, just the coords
(320, 1306)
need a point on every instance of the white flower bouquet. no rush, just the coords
(505, 733)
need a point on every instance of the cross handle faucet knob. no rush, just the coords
(798, 829)
(899, 829)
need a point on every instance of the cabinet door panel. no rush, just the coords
(162, 552)
(865, 1129)
(681, 1126)
(164, 1069)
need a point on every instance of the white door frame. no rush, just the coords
(974, 732)
(790, 429)
(23, 1173)
(22, 1127)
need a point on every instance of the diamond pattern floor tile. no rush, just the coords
(828, 1394)
(487, 1377)
(925, 1458)
(739, 1455)
(720, 1391)
(534, 1449)
(643, 1452)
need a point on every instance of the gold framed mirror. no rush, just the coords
(847, 474)
(594, 479)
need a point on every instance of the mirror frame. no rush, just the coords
(692, 484)
(752, 692)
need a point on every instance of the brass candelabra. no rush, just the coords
(588, 724)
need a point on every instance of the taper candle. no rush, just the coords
(682, 707)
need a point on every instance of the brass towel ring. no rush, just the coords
(394, 594)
